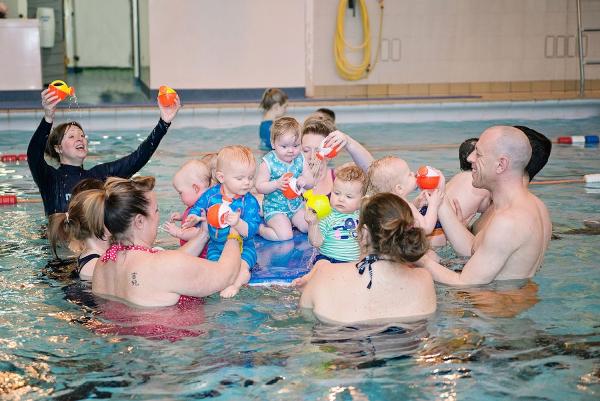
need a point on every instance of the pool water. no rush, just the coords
(538, 340)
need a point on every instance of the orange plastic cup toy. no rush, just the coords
(166, 96)
(61, 89)
(427, 178)
(291, 191)
(217, 214)
(325, 152)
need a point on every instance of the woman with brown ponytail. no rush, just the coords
(131, 270)
(383, 286)
(73, 229)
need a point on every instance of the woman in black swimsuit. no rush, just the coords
(73, 229)
(68, 145)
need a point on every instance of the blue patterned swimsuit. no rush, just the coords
(218, 236)
(275, 202)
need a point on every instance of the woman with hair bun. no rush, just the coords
(131, 270)
(382, 286)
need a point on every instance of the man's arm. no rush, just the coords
(487, 261)
(458, 235)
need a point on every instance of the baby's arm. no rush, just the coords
(428, 222)
(197, 212)
(263, 185)
(249, 220)
(306, 180)
(315, 237)
(179, 232)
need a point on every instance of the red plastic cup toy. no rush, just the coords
(291, 190)
(217, 214)
(61, 89)
(325, 152)
(166, 96)
(427, 178)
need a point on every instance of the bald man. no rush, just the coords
(512, 243)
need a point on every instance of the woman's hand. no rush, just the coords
(168, 113)
(49, 103)
(336, 139)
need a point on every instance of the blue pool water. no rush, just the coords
(530, 341)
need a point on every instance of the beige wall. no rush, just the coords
(20, 68)
(450, 41)
(201, 44)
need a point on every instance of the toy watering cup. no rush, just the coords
(216, 215)
(61, 89)
(291, 190)
(427, 178)
(166, 96)
(318, 203)
(326, 153)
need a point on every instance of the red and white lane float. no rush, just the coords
(578, 140)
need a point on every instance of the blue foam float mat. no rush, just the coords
(280, 262)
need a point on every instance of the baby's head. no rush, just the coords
(285, 138)
(390, 174)
(274, 100)
(236, 168)
(210, 159)
(191, 180)
(464, 150)
(348, 189)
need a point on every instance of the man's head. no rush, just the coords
(464, 150)
(541, 147)
(501, 151)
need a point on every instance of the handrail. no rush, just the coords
(580, 51)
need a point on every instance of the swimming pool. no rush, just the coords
(521, 341)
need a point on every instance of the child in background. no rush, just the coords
(274, 174)
(235, 171)
(73, 229)
(336, 235)
(274, 105)
(325, 113)
(392, 174)
(190, 181)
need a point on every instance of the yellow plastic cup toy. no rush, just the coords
(166, 96)
(61, 89)
(318, 203)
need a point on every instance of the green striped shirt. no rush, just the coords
(339, 236)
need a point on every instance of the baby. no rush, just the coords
(190, 181)
(335, 235)
(392, 174)
(235, 172)
(280, 167)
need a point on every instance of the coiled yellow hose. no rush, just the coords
(346, 69)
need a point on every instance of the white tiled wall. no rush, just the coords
(20, 65)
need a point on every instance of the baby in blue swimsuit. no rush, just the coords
(283, 168)
(235, 172)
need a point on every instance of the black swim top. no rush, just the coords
(55, 184)
(82, 261)
(366, 262)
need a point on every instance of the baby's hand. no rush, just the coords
(192, 220)
(420, 200)
(283, 182)
(172, 229)
(434, 198)
(300, 182)
(175, 216)
(233, 218)
(310, 216)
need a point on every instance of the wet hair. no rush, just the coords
(55, 138)
(328, 112)
(352, 173)
(273, 96)
(116, 205)
(318, 126)
(234, 154)
(282, 126)
(390, 222)
(541, 147)
(75, 224)
(464, 150)
(194, 171)
(379, 175)
(210, 159)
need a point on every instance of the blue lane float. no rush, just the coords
(281, 262)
